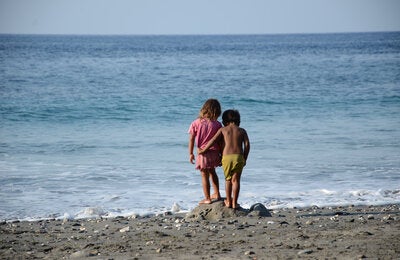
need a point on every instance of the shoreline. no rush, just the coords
(351, 232)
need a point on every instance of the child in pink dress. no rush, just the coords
(201, 131)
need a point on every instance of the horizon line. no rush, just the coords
(193, 34)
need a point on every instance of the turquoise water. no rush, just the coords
(97, 125)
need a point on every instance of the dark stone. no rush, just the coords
(259, 210)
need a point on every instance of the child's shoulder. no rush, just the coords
(217, 122)
(212, 121)
(206, 121)
(196, 123)
(198, 120)
(242, 130)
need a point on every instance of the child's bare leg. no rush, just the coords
(215, 184)
(228, 190)
(206, 187)
(236, 189)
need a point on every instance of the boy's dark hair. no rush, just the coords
(231, 116)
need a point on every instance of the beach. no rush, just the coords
(340, 232)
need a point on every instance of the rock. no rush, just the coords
(79, 254)
(249, 253)
(217, 210)
(305, 251)
(365, 233)
(388, 217)
(125, 229)
(214, 211)
(309, 222)
(334, 218)
(259, 210)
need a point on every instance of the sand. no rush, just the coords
(348, 232)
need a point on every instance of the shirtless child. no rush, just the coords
(234, 155)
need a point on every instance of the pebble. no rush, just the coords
(79, 254)
(365, 233)
(335, 218)
(249, 253)
(362, 219)
(125, 229)
(305, 251)
(388, 217)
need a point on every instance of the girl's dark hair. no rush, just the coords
(231, 116)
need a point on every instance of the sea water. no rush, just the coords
(97, 125)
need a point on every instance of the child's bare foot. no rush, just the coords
(205, 201)
(236, 206)
(227, 204)
(215, 196)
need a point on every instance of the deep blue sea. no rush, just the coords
(97, 125)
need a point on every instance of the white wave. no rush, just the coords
(175, 208)
(328, 192)
(91, 212)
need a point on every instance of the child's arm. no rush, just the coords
(246, 144)
(210, 143)
(191, 147)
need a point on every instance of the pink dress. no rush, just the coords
(204, 130)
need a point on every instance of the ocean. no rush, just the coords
(96, 126)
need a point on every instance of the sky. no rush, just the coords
(154, 17)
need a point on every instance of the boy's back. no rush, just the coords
(236, 140)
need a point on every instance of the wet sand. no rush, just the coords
(348, 232)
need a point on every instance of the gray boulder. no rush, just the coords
(259, 210)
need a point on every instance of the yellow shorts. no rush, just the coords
(232, 163)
